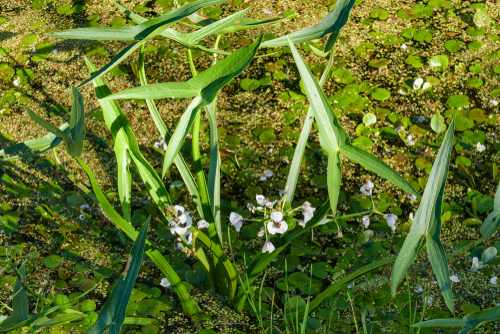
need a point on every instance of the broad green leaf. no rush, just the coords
(77, 123)
(209, 83)
(138, 32)
(20, 305)
(374, 164)
(113, 311)
(492, 222)
(489, 254)
(59, 319)
(37, 146)
(472, 321)
(246, 24)
(143, 32)
(181, 165)
(48, 126)
(125, 140)
(180, 289)
(334, 176)
(427, 225)
(293, 174)
(332, 23)
(332, 135)
(171, 33)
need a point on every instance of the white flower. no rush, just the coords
(418, 83)
(188, 237)
(391, 220)
(399, 129)
(82, 217)
(165, 283)
(308, 211)
(267, 174)
(270, 151)
(411, 216)
(426, 86)
(202, 224)
(366, 221)
(494, 102)
(367, 188)
(84, 206)
(16, 82)
(285, 159)
(54, 51)
(236, 220)
(261, 233)
(251, 207)
(402, 92)
(161, 145)
(428, 300)
(182, 221)
(493, 280)
(261, 200)
(267, 11)
(175, 51)
(277, 225)
(480, 147)
(454, 279)
(404, 47)
(419, 289)
(387, 149)
(410, 141)
(413, 198)
(420, 119)
(476, 265)
(268, 247)
(350, 286)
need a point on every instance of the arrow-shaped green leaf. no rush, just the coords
(113, 312)
(20, 305)
(427, 225)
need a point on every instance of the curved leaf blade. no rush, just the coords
(492, 222)
(180, 289)
(77, 123)
(333, 177)
(113, 311)
(374, 164)
(427, 223)
(333, 22)
(20, 305)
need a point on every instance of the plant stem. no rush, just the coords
(26, 287)
(353, 314)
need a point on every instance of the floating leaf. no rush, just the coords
(380, 94)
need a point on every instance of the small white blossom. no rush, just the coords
(16, 82)
(182, 221)
(399, 129)
(391, 220)
(261, 233)
(267, 174)
(367, 188)
(350, 286)
(419, 289)
(165, 283)
(426, 85)
(494, 102)
(454, 279)
(413, 198)
(480, 147)
(54, 51)
(387, 149)
(267, 11)
(175, 51)
(268, 247)
(236, 220)
(251, 207)
(493, 280)
(308, 211)
(82, 217)
(261, 200)
(161, 145)
(84, 206)
(188, 237)
(270, 151)
(277, 224)
(428, 300)
(420, 119)
(410, 141)
(402, 92)
(411, 216)
(285, 159)
(366, 221)
(404, 47)
(203, 224)
(476, 265)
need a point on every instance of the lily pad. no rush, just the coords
(380, 94)
(250, 84)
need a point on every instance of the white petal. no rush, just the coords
(426, 86)
(283, 228)
(418, 83)
(261, 200)
(178, 209)
(268, 247)
(203, 224)
(277, 216)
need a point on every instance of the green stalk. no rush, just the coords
(26, 287)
